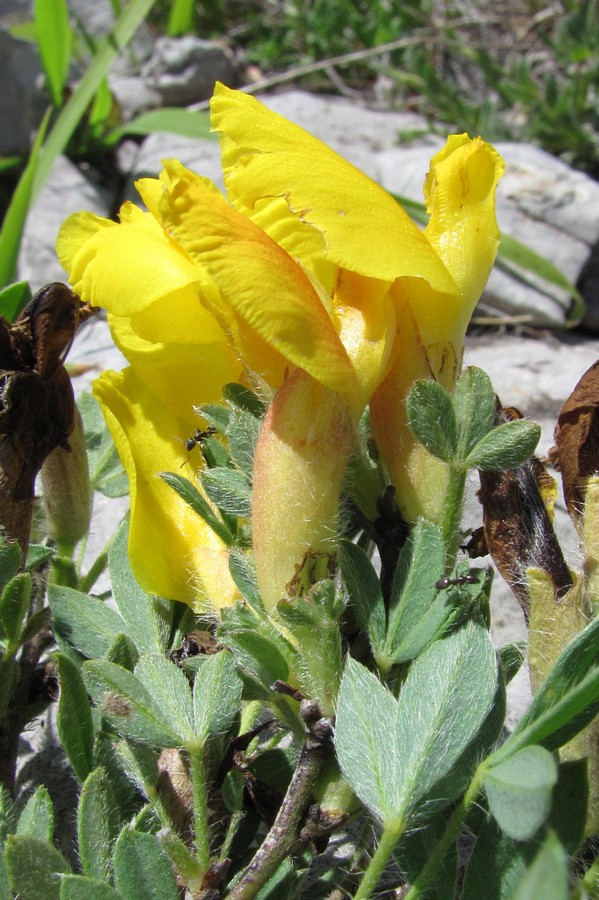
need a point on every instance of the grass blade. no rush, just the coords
(72, 112)
(54, 41)
(16, 214)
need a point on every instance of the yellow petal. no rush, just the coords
(124, 268)
(181, 374)
(338, 213)
(365, 317)
(255, 277)
(172, 551)
(460, 196)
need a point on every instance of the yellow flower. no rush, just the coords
(308, 278)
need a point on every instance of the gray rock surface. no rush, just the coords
(23, 102)
(184, 70)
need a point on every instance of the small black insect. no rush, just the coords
(446, 582)
(197, 437)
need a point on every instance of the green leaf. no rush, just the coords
(13, 299)
(54, 38)
(216, 696)
(567, 700)
(570, 798)
(170, 120)
(37, 817)
(169, 688)
(364, 590)
(417, 610)
(97, 825)
(365, 739)
(473, 400)
(18, 209)
(243, 572)
(36, 555)
(83, 621)
(513, 251)
(184, 861)
(243, 398)
(392, 752)
(445, 700)
(259, 654)
(10, 560)
(34, 867)
(14, 605)
(127, 705)
(188, 492)
(180, 20)
(144, 615)
(511, 657)
(142, 871)
(519, 791)
(496, 865)
(106, 471)
(505, 447)
(432, 419)
(242, 434)
(229, 490)
(123, 652)
(74, 718)
(131, 17)
(547, 877)
(78, 887)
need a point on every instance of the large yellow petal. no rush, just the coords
(255, 277)
(172, 551)
(460, 196)
(124, 268)
(181, 374)
(273, 168)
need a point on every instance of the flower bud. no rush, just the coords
(67, 492)
(303, 449)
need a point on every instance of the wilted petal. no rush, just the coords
(173, 552)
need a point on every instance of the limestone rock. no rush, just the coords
(184, 70)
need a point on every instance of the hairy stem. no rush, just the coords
(392, 832)
(197, 771)
(448, 837)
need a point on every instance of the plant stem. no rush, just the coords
(392, 831)
(452, 517)
(197, 771)
(449, 836)
(279, 841)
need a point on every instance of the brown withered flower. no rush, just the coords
(36, 398)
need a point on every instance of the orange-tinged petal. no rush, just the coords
(256, 278)
(303, 448)
(172, 551)
(358, 225)
(460, 196)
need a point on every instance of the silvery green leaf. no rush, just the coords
(519, 791)
(169, 689)
(431, 417)
(216, 696)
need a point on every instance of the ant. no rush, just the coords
(446, 582)
(197, 437)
